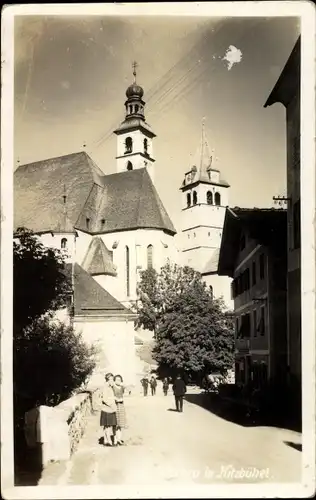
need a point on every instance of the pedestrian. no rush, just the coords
(145, 382)
(108, 419)
(179, 390)
(118, 390)
(153, 385)
(165, 386)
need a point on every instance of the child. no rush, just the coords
(118, 390)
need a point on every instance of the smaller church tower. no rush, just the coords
(134, 135)
(204, 201)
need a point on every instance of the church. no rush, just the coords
(111, 227)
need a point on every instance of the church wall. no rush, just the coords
(54, 240)
(137, 242)
(114, 339)
(137, 160)
(201, 236)
(203, 214)
(221, 287)
(82, 244)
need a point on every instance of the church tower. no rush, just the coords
(134, 135)
(204, 201)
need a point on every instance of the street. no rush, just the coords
(196, 446)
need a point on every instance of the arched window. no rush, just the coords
(129, 166)
(145, 146)
(128, 145)
(150, 249)
(194, 198)
(217, 199)
(188, 199)
(127, 271)
(136, 108)
(131, 109)
(209, 198)
(63, 243)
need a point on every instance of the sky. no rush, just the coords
(71, 75)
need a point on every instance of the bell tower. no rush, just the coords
(204, 201)
(134, 135)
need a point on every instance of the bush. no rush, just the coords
(51, 361)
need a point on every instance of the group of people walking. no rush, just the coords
(113, 414)
(178, 387)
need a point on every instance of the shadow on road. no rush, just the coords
(172, 409)
(28, 466)
(238, 413)
(296, 446)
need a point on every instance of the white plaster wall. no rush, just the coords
(53, 240)
(221, 287)
(202, 236)
(207, 215)
(82, 244)
(137, 242)
(115, 339)
(138, 143)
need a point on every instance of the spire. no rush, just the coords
(134, 66)
(205, 156)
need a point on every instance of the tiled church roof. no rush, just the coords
(95, 202)
(129, 201)
(91, 299)
(39, 189)
(99, 259)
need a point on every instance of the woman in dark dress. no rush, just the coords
(108, 420)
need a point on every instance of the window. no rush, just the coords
(188, 200)
(131, 109)
(87, 223)
(297, 224)
(63, 243)
(261, 266)
(217, 199)
(136, 108)
(128, 145)
(194, 198)
(209, 198)
(149, 257)
(247, 279)
(244, 330)
(127, 271)
(262, 326)
(208, 234)
(255, 326)
(254, 274)
(145, 146)
(129, 166)
(194, 235)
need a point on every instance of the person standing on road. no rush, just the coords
(118, 390)
(165, 386)
(179, 390)
(145, 382)
(153, 385)
(108, 419)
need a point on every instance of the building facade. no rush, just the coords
(287, 92)
(205, 196)
(253, 253)
(110, 227)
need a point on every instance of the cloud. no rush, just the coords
(232, 56)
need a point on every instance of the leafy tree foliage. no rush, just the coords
(50, 358)
(194, 333)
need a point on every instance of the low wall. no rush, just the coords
(57, 431)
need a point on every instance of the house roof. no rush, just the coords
(129, 201)
(40, 187)
(71, 192)
(90, 298)
(99, 259)
(212, 264)
(267, 226)
(289, 80)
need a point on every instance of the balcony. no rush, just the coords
(243, 345)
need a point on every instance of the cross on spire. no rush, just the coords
(134, 66)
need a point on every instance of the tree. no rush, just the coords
(194, 334)
(39, 281)
(50, 358)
